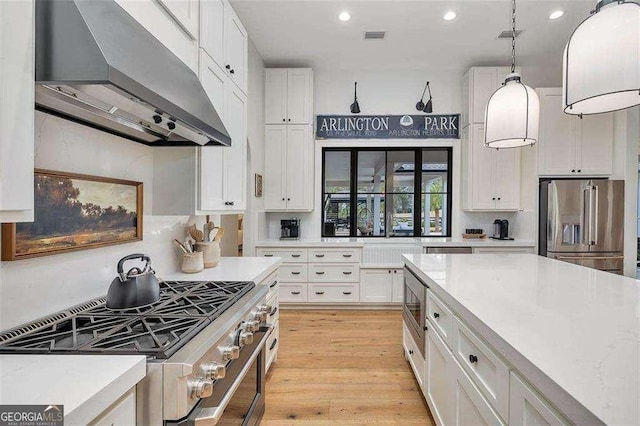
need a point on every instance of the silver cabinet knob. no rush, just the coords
(214, 371)
(230, 353)
(245, 338)
(201, 388)
(252, 325)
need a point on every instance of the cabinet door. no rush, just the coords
(483, 168)
(275, 174)
(185, 13)
(212, 26)
(212, 178)
(236, 49)
(557, 140)
(299, 102)
(275, 95)
(235, 156)
(398, 286)
(122, 412)
(595, 145)
(213, 81)
(527, 408)
(439, 391)
(484, 83)
(299, 167)
(16, 110)
(470, 407)
(507, 179)
(376, 286)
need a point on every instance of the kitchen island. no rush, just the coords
(537, 337)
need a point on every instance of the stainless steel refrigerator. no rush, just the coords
(582, 222)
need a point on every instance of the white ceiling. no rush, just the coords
(308, 32)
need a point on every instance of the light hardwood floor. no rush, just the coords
(342, 367)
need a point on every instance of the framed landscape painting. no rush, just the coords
(75, 212)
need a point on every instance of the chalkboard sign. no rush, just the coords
(431, 126)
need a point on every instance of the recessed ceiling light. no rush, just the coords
(556, 14)
(450, 16)
(344, 16)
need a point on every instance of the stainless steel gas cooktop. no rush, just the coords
(158, 331)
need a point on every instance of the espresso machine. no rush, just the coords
(290, 229)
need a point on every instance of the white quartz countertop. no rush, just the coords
(573, 332)
(425, 242)
(85, 384)
(230, 269)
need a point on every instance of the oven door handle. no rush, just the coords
(210, 416)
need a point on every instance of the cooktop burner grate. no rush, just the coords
(185, 308)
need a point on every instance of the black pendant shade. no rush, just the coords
(428, 107)
(355, 107)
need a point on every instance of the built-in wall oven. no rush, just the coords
(414, 307)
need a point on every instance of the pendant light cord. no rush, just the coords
(513, 37)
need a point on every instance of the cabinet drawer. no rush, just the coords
(292, 293)
(413, 355)
(272, 345)
(440, 316)
(272, 282)
(328, 293)
(485, 368)
(293, 272)
(287, 254)
(334, 272)
(121, 412)
(528, 408)
(347, 255)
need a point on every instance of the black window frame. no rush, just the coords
(417, 193)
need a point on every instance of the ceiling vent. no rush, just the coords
(507, 34)
(374, 35)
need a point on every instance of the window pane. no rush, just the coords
(371, 214)
(434, 170)
(400, 213)
(337, 172)
(434, 215)
(401, 171)
(371, 171)
(337, 215)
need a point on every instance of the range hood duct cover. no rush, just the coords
(152, 97)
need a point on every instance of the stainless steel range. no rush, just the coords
(204, 343)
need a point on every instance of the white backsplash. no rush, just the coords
(33, 288)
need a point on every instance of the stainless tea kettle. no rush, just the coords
(136, 288)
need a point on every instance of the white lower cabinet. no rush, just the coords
(120, 413)
(470, 408)
(414, 356)
(273, 345)
(528, 408)
(333, 293)
(438, 388)
(381, 285)
(398, 286)
(293, 293)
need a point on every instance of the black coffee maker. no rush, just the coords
(290, 229)
(501, 230)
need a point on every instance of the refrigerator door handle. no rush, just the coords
(594, 216)
(585, 218)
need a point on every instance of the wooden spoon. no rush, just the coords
(219, 235)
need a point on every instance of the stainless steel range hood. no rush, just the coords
(96, 65)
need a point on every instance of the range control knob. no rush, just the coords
(200, 388)
(252, 325)
(262, 313)
(230, 353)
(214, 371)
(245, 338)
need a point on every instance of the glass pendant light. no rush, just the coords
(513, 112)
(601, 71)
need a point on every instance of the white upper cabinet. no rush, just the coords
(288, 96)
(570, 146)
(173, 22)
(212, 25)
(17, 82)
(236, 49)
(185, 13)
(492, 181)
(288, 180)
(478, 84)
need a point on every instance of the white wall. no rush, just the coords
(394, 92)
(33, 288)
